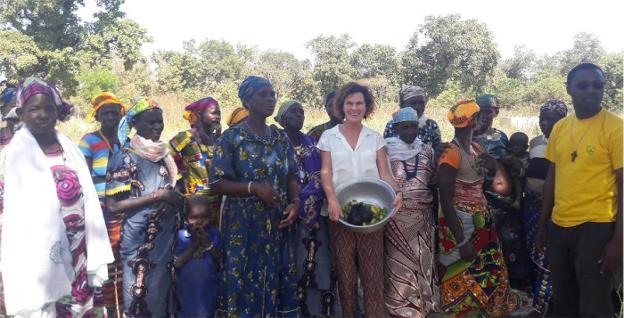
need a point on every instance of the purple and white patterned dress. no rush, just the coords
(69, 192)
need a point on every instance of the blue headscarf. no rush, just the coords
(250, 85)
(7, 95)
(405, 114)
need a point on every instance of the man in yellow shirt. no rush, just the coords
(581, 221)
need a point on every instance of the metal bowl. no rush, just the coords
(367, 190)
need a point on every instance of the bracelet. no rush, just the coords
(462, 243)
(209, 248)
(249, 187)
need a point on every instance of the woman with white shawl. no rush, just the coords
(55, 247)
(410, 285)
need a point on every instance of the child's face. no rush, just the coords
(407, 130)
(518, 147)
(198, 211)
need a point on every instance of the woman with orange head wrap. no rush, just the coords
(98, 147)
(473, 274)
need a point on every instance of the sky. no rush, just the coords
(546, 26)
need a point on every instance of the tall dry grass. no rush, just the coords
(509, 121)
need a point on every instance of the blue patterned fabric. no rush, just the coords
(259, 274)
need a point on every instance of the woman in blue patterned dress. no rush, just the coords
(254, 166)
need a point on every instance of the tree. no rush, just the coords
(19, 54)
(375, 60)
(221, 61)
(283, 70)
(545, 86)
(52, 24)
(332, 66)
(179, 72)
(64, 43)
(586, 48)
(522, 65)
(453, 49)
(612, 66)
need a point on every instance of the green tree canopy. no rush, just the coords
(452, 49)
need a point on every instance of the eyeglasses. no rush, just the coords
(585, 85)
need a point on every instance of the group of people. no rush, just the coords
(242, 222)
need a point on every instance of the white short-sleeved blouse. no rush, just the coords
(348, 163)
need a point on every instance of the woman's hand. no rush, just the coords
(290, 214)
(265, 192)
(334, 210)
(467, 252)
(398, 201)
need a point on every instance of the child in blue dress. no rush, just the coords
(197, 258)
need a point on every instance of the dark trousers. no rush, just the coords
(579, 290)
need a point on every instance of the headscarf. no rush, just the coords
(33, 86)
(283, 109)
(405, 114)
(193, 110)
(487, 101)
(397, 148)
(555, 105)
(250, 85)
(236, 116)
(408, 91)
(105, 98)
(7, 95)
(462, 114)
(126, 123)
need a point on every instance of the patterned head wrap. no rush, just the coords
(283, 109)
(193, 110)
(126, 123)
(405, 114)
(33, 86)
(250, 85)
(555, 105)
(487, 101)
(237, 116)
(105, 98)
(463, 113)
(408, 91)
(7, 96)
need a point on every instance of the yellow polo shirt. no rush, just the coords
(585, 189)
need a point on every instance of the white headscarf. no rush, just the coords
(33, 228)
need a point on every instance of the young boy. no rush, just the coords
(518, 161)
(196, 261)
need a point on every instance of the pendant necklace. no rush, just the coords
(574, 153)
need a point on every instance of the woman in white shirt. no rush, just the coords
(353, 150)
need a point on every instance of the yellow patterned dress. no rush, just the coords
(193, 160)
